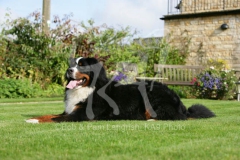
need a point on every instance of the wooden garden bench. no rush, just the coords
(174, 74)
(177, 74)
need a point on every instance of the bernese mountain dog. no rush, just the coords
(90, 95)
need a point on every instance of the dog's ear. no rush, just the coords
(98, 69)
(92, 61)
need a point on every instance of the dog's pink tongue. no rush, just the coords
(72, 84)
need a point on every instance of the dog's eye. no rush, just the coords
(80, 63)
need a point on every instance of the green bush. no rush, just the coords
(183, 91)
(19, 88)
(161, 52)
(111, 46)
(53, 90)
(24, 88)
(107, 44)
(31, 53)
(42, 58)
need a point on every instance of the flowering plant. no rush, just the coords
(119, 76)
(123, 77)
(215, 83)
(125, 73)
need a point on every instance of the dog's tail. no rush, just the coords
(199, 111)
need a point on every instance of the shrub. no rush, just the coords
(159, 52)
(111, 46)
(27, 52)
(53, 90)
(215, 84)
(19, 88)
(183, 91)
(25, 88)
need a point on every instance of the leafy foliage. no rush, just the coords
(160, 52)
(112, 46)
(27, 52)
(32, 54)
(105, 43)
(24, 88)
(183, 91)
(53, 90)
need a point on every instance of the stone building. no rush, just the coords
(213, 27)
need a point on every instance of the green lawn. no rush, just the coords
(215, 138)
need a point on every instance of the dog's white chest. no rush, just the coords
(74, 96)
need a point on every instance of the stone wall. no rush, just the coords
(208, 40)
(196, 6)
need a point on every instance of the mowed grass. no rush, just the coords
(214, 138)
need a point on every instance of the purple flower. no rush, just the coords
(213, 82)
(120, 76)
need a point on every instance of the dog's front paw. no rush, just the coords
(32, 121)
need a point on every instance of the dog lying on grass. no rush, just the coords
(90, 95)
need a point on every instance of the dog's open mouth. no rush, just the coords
(75, 83)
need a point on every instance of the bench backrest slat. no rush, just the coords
(177, 74)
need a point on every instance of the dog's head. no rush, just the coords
(84, 72)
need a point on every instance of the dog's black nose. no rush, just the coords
(70, 70)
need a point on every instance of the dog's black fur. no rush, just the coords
(113, 101)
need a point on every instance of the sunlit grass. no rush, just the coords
(214, 138)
